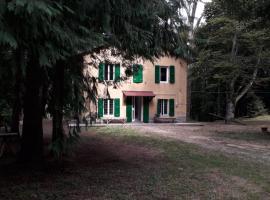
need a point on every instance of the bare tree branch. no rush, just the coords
(249, 85)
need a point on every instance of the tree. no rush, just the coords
(51, 34)
(187, 10)
(233, 50)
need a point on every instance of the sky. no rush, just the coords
(200, 8)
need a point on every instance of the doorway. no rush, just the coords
(137, 109)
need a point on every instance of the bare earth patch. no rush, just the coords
(95, 150)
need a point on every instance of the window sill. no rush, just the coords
(107, 116)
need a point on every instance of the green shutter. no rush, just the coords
(137, 73)
(158, 106)
(145, 110)
(140, 73)
(129, 109)
(157, 74)
(101, 71)
(171, 107)
(117, 72)
(117, 107)
(172, 74)
(100, 107)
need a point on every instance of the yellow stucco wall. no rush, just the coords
(177, 91)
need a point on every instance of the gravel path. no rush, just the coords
(208, 136)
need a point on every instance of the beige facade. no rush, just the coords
(162, 90)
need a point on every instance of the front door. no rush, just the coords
(136, 109)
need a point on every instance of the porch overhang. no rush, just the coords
(138, 94)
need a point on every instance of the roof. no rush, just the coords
(139, 93)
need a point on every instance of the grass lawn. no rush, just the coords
(117, 163)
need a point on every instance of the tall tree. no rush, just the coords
(53, 33)
(188, 11)
(234, 49)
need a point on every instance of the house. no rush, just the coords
(155, 91)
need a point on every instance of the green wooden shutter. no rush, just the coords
(129, 109)
(100, 107)
(101, 71)
(117, 72)
(137, 73)
(171, 107)
(145, 110)
(157, 74)
(172, 74)
(158, 106)
(117, 107)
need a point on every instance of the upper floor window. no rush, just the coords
(164, 74)
(137, 73)
(109, 72)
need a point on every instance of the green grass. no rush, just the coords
(178, 171)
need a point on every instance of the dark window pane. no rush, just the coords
(162, 106)
(111, 106)
(106, 72)
(105, 106)
(163, 74)
(165, 106)
(111, 72)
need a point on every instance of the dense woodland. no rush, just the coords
(43, 43)
(230, 70)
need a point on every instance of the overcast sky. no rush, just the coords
(200, 8)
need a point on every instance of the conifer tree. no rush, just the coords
(51, 34)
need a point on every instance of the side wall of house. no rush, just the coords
(176, 91)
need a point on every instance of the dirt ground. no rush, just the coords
(219, 137)
(114, 166)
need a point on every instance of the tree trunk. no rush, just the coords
(17, 104)
(58, 101)
(32, 134)
(189, 87)
(230, 109)
(16, 112)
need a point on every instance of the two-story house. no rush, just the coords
(154, 90)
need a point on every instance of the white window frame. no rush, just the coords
(108, 108)
(167, 74)
(109, 70)
(162, 107)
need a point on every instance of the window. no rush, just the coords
(164, 107)
(137, 73)
(108, 106)
(109, 72)
(164, 74)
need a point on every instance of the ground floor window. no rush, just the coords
(164, 107)
(108, 107)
